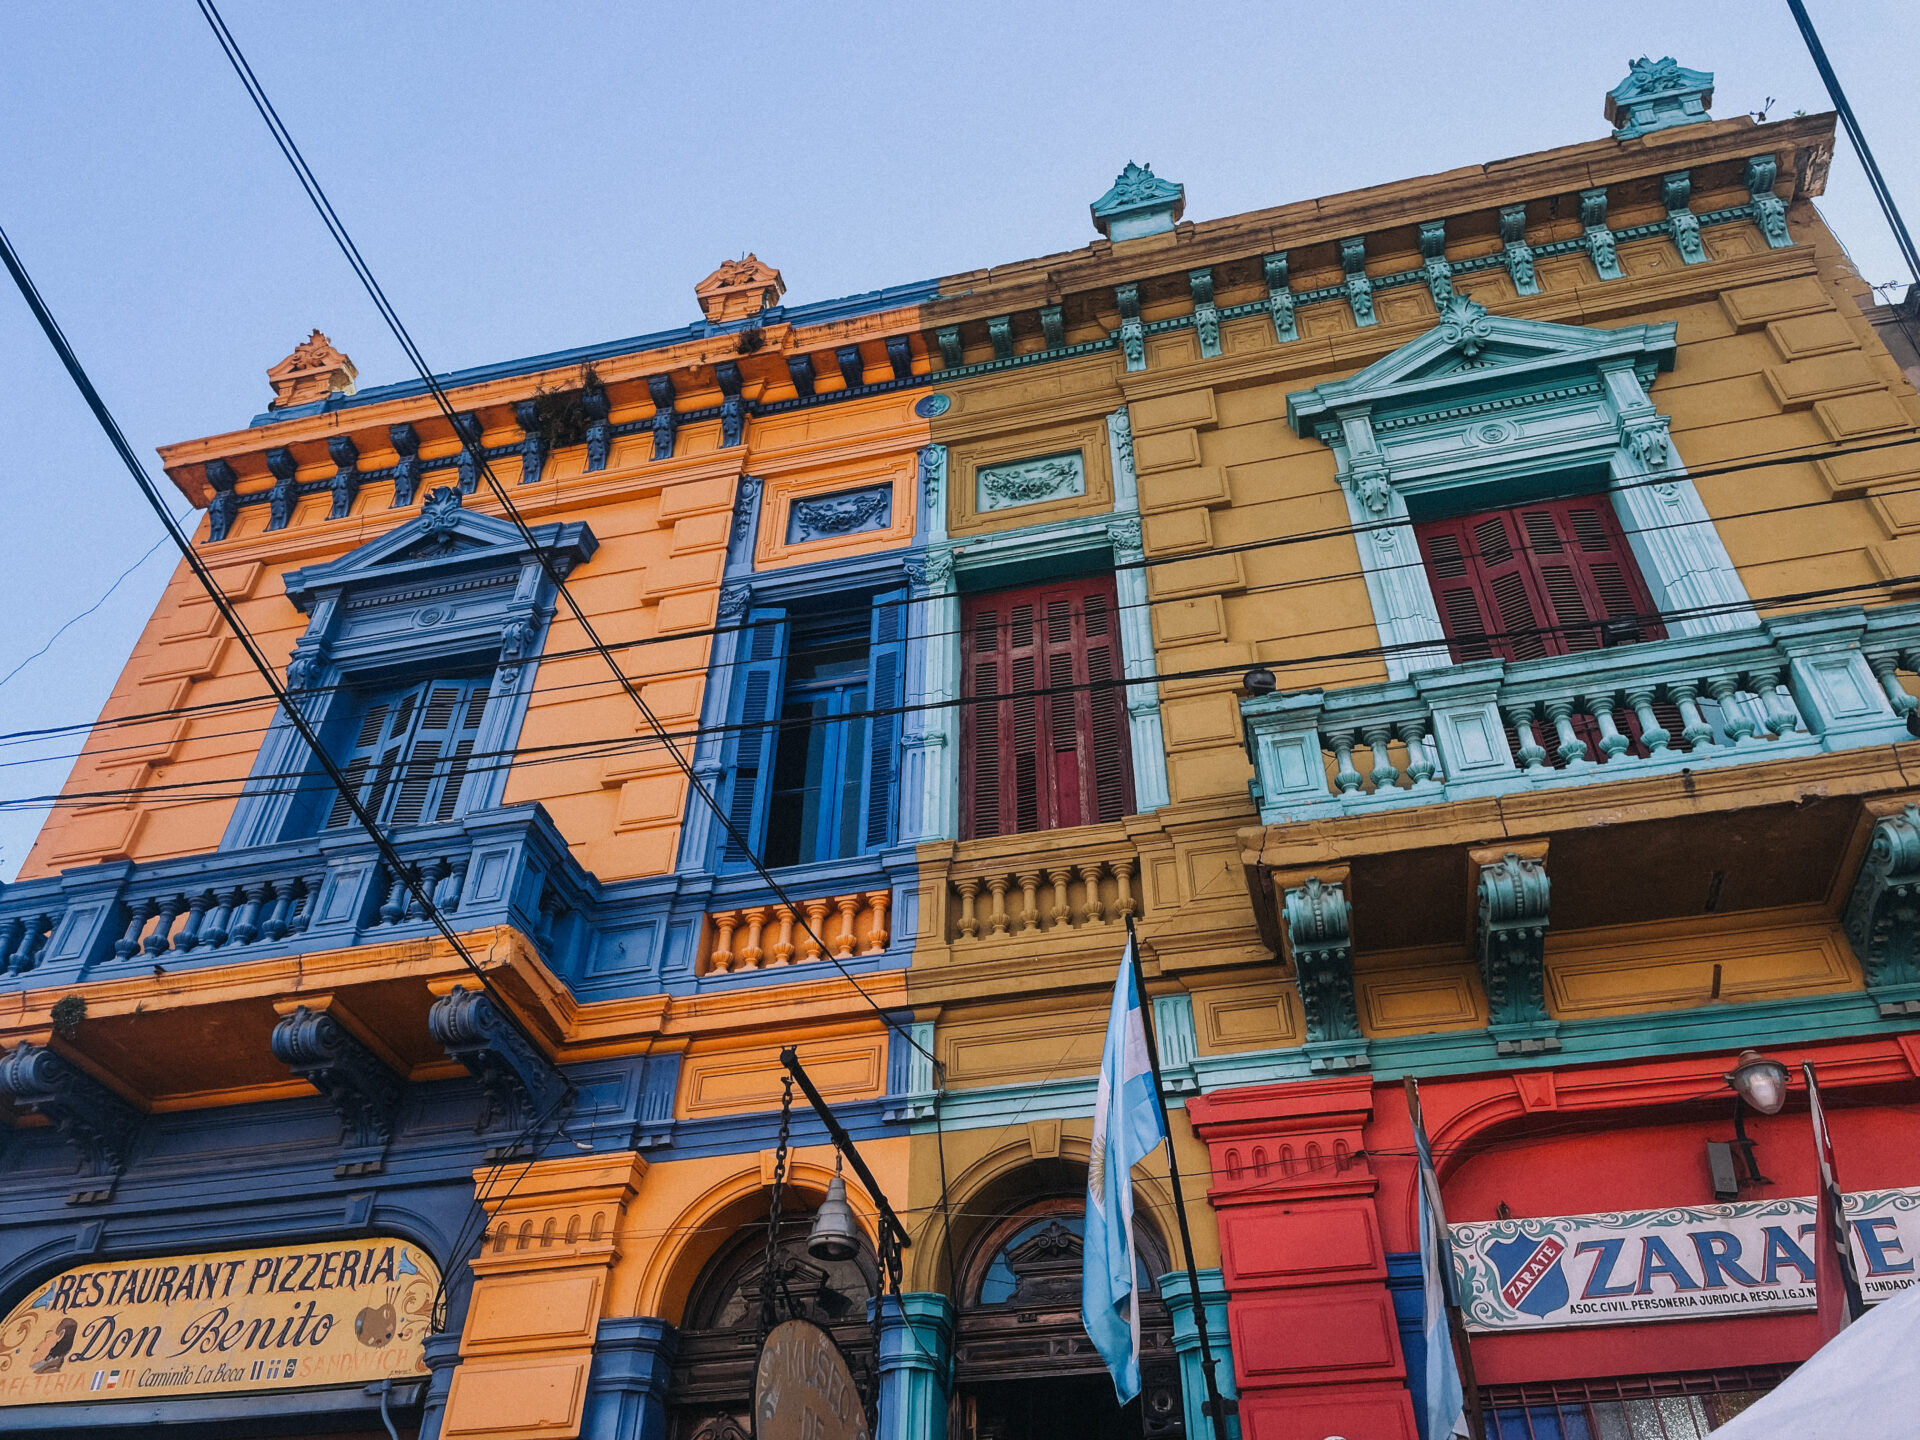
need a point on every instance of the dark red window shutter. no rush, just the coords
(1053, 751)
(1537, 579)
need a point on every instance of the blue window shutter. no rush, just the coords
(362, 758)
(410, 754)
(886, 669)
(758, 673)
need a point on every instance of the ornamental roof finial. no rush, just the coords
(314, 371)
(739, 289)
(1656, 95)
(1138, 203)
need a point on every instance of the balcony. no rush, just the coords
(1801, 685)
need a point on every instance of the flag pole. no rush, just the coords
(1215, 1407)
(1456, 1323)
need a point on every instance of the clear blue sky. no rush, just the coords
(530, 176)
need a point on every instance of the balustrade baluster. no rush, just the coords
(1734, 718)
(1883, 668)
(1385, 774)
(997, 921)
(1095, 910)
(246, 922)
(169, 907)
(137, 916)
(1612, 742)
(1573, 750)
(1421, 763)
(1783, 714)
(812, 942)
(1652, 734)
(1532, 755)
(1059, 876)
(275, 924)
(720, 958)
(309, 901)
(1694, 727)
(396, 902)
(215, 931)
(1346, 778)
(843, 941)
(27, 949)
(969, 889)
(1123, 875)
(877, 932)
(12, 934)
(189, 933)
(447, 897)
(751, 952)
(1030, 890)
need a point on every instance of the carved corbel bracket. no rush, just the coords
(1133, 331)
(1318, 923)
(1511, 897)
(361, 1086)
(87, 1115)
(1883, 914)
(521, 1084)
(665, 422)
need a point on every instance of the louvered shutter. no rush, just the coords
(886, 671)
(1534, 580)
(438, 751)
(748, 755)
(362, 758)
(1054, 752)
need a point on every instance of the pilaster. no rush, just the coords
(539, 1292)
(916, 1350)
(1177, 1292)
(1316, 1351)
(627, 1386)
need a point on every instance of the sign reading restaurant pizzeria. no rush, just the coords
(1679, 1264)
(288, 1318)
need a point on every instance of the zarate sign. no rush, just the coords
(288, 1318)
(1680, 1264)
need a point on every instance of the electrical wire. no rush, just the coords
(291, 150)
(601, 747)
(403, 873)
(241, 702)
(106, 595)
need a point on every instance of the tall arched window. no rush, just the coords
(1024, 1368)
(712, 1394)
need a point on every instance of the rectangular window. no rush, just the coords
(411, 749)
(811, 751)
(1053, 750)
(1548, 578)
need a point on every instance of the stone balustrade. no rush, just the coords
(764, 937)
(1069, 890)
(1801, 684)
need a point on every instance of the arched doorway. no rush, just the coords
(712, 1389)
(1024, 1367)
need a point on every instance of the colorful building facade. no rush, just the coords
(1466, 625)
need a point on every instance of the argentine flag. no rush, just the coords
(1445, 1399)
(1127, 1125)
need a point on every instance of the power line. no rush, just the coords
(310, 183)
(584, 749)
(245, 702)
(401, 871)
(106, 595)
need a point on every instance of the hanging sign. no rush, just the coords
(1680, 1264)
(286, 1318)
(802, 1389)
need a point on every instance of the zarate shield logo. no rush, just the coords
(1531, 1280)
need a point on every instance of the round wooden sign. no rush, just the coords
(802, 1388)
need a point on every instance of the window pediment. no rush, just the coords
(1471, 354)
(444, 542)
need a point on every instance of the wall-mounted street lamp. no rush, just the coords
(1259, 681)
(1758, 1082)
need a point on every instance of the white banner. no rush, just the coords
(1680, 1264)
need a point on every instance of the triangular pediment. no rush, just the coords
(1469, 349)
(444, 537)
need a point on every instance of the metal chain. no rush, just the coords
(768, 1273)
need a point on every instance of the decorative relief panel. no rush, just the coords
(850, 512)
(1030, 482)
